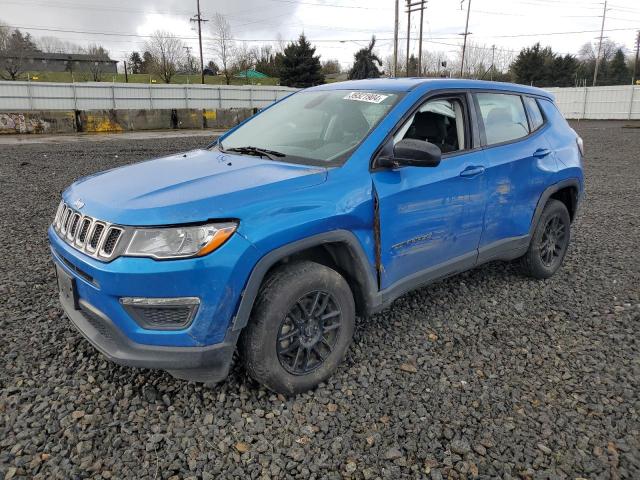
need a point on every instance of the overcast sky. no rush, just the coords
(337, 27)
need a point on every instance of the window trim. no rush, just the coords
(529, 116)
(480, 123)
(471, 127)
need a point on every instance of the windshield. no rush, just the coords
(320, 127)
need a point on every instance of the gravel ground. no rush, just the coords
(486, 375)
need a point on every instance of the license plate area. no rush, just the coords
(67, 288)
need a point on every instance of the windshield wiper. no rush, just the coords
(260, 152)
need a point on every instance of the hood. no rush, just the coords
(189, 187)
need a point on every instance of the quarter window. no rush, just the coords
(535, 115)
(439, 121)
(503, 116)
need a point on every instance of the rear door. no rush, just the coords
(431, 217)
(519, 162)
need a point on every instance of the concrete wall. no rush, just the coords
(52, 122)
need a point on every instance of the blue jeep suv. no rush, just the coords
(327, 205)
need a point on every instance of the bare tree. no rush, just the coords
(432, 63)
(56, 45)
(223, 44)
(244, 59)
(14, 54)
(167, 52)
(5, 33)
(98, 61)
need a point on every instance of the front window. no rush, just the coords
(315, 127)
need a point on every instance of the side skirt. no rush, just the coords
(507, 249)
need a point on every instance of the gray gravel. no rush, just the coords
(488, 374)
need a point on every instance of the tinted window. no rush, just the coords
(439, 121)
(535, 115)
(317, 127)
(503, 117)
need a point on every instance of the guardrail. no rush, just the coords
(599, 103)
(44, 96)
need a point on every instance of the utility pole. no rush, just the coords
(408, 33)
(395, 40)
(493, 58)
(635, 64)
(420, 44)
(595, 71)
(126, 74)
(419, 5)
(198, 18)
(466, 34)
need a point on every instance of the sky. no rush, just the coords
(338, 28)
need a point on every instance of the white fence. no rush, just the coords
(24, 96)
(619, 102)
(599, 103)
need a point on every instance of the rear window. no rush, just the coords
(535, 115)
(503, 117)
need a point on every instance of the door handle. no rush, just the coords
(472, 171)
(541, 152)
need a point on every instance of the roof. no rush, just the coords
(251, 74)
(407, 84)
(75, 57)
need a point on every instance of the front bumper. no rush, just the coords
(204, 364)
(202, 351)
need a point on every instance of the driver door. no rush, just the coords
(431, 218)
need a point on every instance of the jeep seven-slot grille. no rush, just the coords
(91, 236)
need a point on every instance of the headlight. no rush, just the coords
(179, 242)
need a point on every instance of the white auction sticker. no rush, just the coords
(366, 97)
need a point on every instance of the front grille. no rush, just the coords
(111, 241)
(93, 237)
(96, 236)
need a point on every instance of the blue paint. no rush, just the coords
(428, 216)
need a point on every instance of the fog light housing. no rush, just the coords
(162, 313)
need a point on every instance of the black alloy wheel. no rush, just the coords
(554, 241)
(309, 332)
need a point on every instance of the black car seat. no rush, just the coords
(430, 127)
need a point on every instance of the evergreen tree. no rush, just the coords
(563, 71)
(364, 65)
(618, 73)
(135, 62)
(533, 65)
(300, 68)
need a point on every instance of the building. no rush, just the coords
(62, 62)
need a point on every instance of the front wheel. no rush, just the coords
(550, 241)
(300, 328)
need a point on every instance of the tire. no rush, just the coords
(295, 339)
(549, 243)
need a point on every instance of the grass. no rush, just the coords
(141, 78)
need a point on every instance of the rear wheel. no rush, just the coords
(550, 241)
(300, 328)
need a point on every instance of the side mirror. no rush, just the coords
(412, 152)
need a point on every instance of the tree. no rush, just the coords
(17, 48)
(331, 67)
(49, 44)
(364, 65)
(300, 67)
(532, 65)
(135, 62)
(99, 58)
(167, 53)
(5, 33)
(223, 44)
(618, 72)
(212, 67)
(269, 61)
(147, 62)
